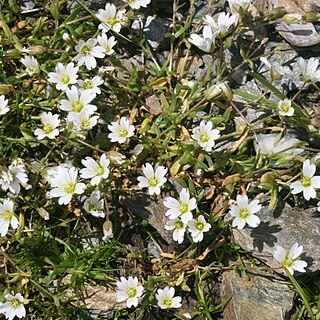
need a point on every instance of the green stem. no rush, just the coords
(300, 292)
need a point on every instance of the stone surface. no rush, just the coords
(154, 30)
(153, 104)
(284, 227)
(299, 35)
(261, 297)
(290, 5)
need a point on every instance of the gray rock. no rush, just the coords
(284, 227)
(262, 296)
(201, 9)
(154, 30)
(299, 35)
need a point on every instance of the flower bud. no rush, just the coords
(277, 13)
(218, 89)
(275, 74)
(312, 16)
(292, 18)
(5, 88)
(107, 231)
(33, 50)
(13, 53)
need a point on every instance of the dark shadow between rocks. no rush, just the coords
(259, 235)
(279, 208)
(304, 33)
(309, 260)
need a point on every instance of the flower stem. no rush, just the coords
(300, 292)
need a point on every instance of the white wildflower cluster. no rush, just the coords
(181, 217)
(129, 290)
(214, 27)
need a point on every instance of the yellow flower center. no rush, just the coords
(288, 262)
(65, 79)
(7, 215)
(69, 188)
(167, 301)
(85, 123)
(306, 181)
(122, 133)
(99, 171)
(178, 224)
(131, 292)
(112, 21)
(15, 303)
(184, 207)
(153, 182)
(47, 128)
(85, 50)
(88, 84)
(284, 106)
(204, 137)
(199, 225)
(77, 106)
(244, 213)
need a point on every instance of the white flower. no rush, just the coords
(270, 144)
(308, 182)
(95, 204)
(136, 4)
(50, 123)
(91, 86)
(66, 184)
(64, 75)
(12, 177)
(121, 130)
(31, 64)
(27, 5)
(290, 260)
(153, 179)
(77, 101)
(309, 69)
(178, 227)
(180, 208)
(224, 22)
(107, 43)
(166, 298)
(84, 120)
(206, 42)
(285, 109)
(3, 105)
(239, 5)
(197, 227)
(205, 135)
(7, 217)
(130, 290)
(13, 307)
(110, 18)
(88, 51)
(244, 212)
(96, 171)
